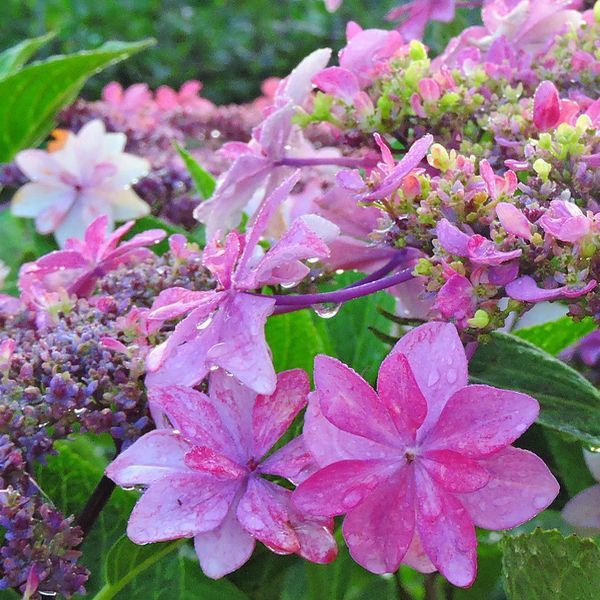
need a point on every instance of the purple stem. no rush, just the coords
(296, 302)
(340, 161)
(394, 262)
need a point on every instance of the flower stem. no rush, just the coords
(96, 502)
(339, 161)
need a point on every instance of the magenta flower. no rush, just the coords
(583, 511)
(258, 160)
(415, 465)
(82, 262)
(546, 106)
(479, 250)
(225, 327)
(416, 14)
(456, 299)
(90, 176)
(205, 474)
(388, 176)
(566, 222)
(188, 97)
(513, 220)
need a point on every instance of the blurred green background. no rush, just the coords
(230, 45)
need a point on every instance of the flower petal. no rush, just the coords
(180, 505)
(479, 420)
(380, 529)
(521, 486)
(151, 457)
(583, 511)
(454, 472)
(273, 414)
(294, 462)
(350, 403)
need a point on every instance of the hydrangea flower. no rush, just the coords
(415, 465)
(205, 474)
(90, 176)
(225, 327)
(583, 511)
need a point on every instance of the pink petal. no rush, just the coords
(379, 530)
(180, 505)
(592, 459)
(220, 258)
(438, 362)
(416, 557)
(337, 82)
(206, 460)
(479, 420)
(526, 289)
(482, 251)
(315, 536)
(513, 220)
(456, 299)
(583, 511)
(447, 532)
(454, 472)
(350, 403)
(328, 444)
(294, 462)
(400, 393)
(150, 458)
(273, 414)
(452, 239)
(546, 106)
(341, 486)
(194, 415)
(263, 512)
(174, 302)
(297, 85)
(224, 549)
(243, 349)
(521, 486)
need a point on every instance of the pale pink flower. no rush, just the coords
(90, 176)
(205, 474)
(225, 327)
(82, 262)
(416, 14)
(583, 511)
(333, 5)
(130, 101)
(187, 98)
(417, 464)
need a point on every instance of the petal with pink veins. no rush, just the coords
(520, 487)
(180, 505)
(379, 530)
(206, 460)
(479, 420)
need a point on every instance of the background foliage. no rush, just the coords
(248, 40)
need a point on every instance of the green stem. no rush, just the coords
(110, 590)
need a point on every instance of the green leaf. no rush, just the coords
(353, 342)
(555, 336)
(295, 339)
(203, 181)
(569, 403)
(12, 59)
(160, 571)
(31, 98)
(544, 565)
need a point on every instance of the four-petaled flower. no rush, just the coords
(205, 474)
(415, 465)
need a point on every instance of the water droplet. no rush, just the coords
(433, 378)
(326, 310)
(215, 133)
(204, 324)
(339, 271)
(46, 594)
(451, 375)
(352, 498)
(286, 285)
(312, 261)
(213, 367)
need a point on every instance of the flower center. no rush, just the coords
(252, 464)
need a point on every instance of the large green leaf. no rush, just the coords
(31, 97)
(557, 335)
(13, 58)
(545, 565)
(569, 403)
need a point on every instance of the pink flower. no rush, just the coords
(549, 110)
(188, 97)
(479, 250)
(566, 222)
(205, 474)
(456, 299)
(526, 289)
(7, 349)
(583, 511)
(82, 262)
(416, 14)
(90, 176)
(415, 465)
(225, 327)
(497, 185)
(131, 101)
(256, 162)
(333, 5)
(389, 175)
(513, 220)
